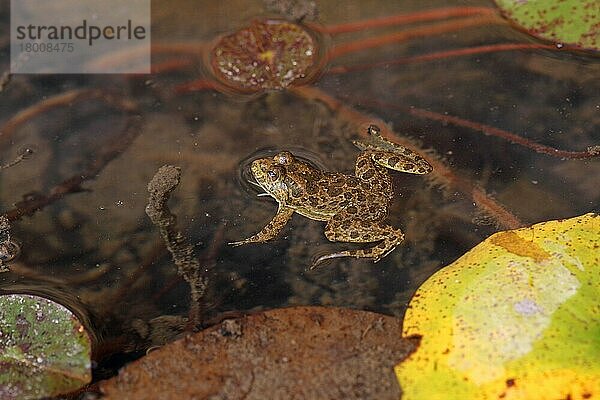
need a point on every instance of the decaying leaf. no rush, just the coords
(517, 317)
(44, 349)
(299, 352)
(572, 22)
(268, 54)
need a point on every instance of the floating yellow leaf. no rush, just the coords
(517, 317)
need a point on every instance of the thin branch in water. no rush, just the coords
(112, 148)
(439, 55)
(137, 54)
(591, 152)
(62, 99)
(403, 19)
(421, 31)
(160, 188)
(36, 109)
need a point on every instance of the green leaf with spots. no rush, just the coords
(44, 349)
(572, 22)
(518, 313)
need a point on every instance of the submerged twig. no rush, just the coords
(445, 54)
(404, 19)
(44, 105)
(60, 100)
(113, 147)
(412, 33)
(160, 188)
(591, 152)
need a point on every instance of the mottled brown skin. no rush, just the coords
(354, 206)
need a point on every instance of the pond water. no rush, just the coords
(93, 246)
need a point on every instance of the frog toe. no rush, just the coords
(326, 257)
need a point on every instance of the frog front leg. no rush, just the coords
(271, 230)
(348, 226)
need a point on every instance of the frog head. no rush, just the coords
(270, 173)
(282, 176)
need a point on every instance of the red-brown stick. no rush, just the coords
(421, 31)
(113, 147)
(30, 112)
(420, 16)
(591, 152)
(444, 55)
(59, 100)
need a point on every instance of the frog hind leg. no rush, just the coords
(392, 155)
(271, 230)
(378, 178)
(339, 229)
(404, 162)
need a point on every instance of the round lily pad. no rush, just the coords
(268, 54)
(572, 22)
(290, 353)
(517, 317)
(44, 349)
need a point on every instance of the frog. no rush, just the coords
(354, 207)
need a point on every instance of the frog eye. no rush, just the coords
(275, 173)
(285, 157)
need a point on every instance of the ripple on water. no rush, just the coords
(244, 177)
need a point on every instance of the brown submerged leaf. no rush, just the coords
(268, 54)
(298, 352)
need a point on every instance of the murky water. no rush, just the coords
(98, 245)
